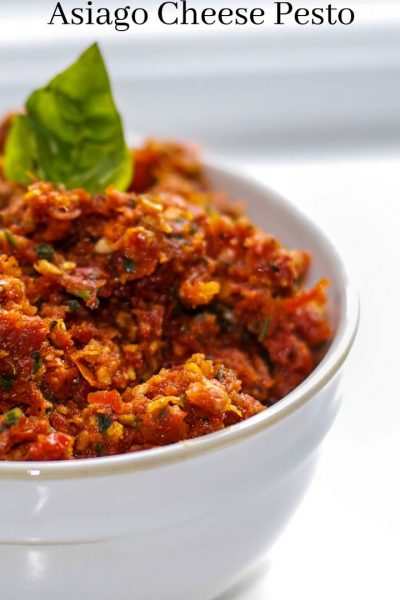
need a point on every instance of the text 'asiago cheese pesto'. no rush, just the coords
(186, 13)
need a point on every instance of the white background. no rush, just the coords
(344, 541)
(315, 113)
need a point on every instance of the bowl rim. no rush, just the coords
(186, 449)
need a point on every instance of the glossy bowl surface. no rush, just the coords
(187, 520)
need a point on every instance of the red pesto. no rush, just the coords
(134, 320)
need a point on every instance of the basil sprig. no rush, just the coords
(72, 133)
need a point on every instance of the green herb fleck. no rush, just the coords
(71, 132)
(274, 267)
(163, 413)
(132, 202)
(182, 400)
(177, 310)
(129, 265)
(37, 362)
(264, 329)
(104, 422)
(12, 416)
(100, 450)
(219, 374)
(45, 251)
(10, 238)
(6, 382)
(73, 304)
(84, 294)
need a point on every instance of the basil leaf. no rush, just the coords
(72, 132)
(20, 164)
(129, 265)
(37, 362)
(44, 251)
(12, 416)
(264, 329)
(73, 304)
(104, 422)
(6, 382)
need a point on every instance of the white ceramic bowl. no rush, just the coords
(182, 522)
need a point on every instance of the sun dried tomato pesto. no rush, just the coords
(134, 320)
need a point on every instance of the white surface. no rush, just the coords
(343, 543)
